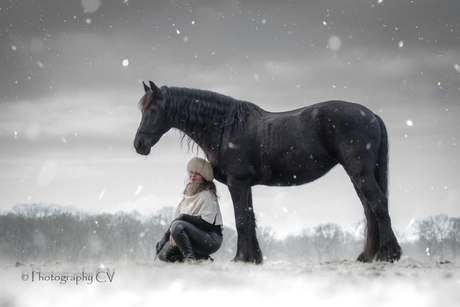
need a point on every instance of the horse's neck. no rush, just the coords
(209, 142)
(205, 116)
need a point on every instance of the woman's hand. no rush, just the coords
(160, 244)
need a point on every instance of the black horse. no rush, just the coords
(248, 146)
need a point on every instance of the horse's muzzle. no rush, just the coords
(142, 145)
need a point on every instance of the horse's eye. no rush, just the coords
(154, 108)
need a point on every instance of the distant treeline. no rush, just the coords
(35, 233)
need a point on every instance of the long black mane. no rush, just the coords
(205, 115)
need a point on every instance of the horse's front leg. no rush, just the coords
(248, 247)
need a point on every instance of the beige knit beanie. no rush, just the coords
(202, 167)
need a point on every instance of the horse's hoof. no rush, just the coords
(389, 254)
(258, 260)
(363, 258)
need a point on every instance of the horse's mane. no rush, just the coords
(204, 114)
(205, 107)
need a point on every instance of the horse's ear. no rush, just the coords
(156, 91)
(146, 88)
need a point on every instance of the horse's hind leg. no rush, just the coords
(372, 233)
(376, 208)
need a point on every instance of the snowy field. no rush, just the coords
(341, 283)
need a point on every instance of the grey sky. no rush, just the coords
(70, 83)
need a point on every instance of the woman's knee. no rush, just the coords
(177, 227)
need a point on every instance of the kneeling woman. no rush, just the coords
(196, 229)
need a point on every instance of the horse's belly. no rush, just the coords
(279, 174)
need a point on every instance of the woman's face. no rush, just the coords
(196, 178)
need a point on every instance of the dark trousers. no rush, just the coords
(191, 243)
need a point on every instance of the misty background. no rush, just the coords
(71, 76)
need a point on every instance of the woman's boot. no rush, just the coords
(182, 241)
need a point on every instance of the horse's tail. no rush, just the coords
(372, 234)
(381, 173)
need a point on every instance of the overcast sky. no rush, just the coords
(71, 74)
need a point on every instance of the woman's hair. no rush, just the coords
(210, 186)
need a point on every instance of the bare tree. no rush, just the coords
(267, 240)
(48, 233)
(297, 247)
(326, 239)
(16, 236)
(433, 233)
(350, 245)
(454, 235)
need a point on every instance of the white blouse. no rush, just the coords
(202, 204)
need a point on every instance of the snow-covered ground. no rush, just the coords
(341, 283)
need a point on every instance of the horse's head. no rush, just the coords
(154, 121)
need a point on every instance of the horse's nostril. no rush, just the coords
(138, 144)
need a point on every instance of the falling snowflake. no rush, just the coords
(457, 67)
(334, 43)
(139, 189)
(90, 6)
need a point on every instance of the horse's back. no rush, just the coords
(334, 120)
(323, 122)
(302, 145)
